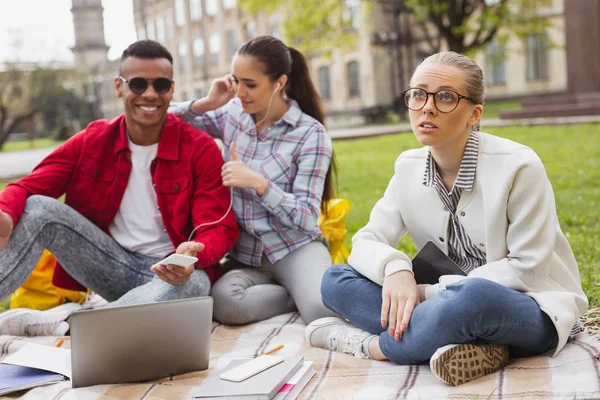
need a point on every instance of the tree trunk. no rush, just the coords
(3, 138)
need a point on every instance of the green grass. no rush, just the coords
(492, 109)
(28, 145)
(571, 155)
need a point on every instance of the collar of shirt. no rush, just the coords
(466, 171)
(168, 143)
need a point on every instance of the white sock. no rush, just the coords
(365, 346)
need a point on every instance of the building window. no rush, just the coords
(274, 26)
(537, 56)
(249, 30)
(353, 73)
(183, 50)
(180, 12)
(214, 44)
(195, 10)
(495, 64)
(212, 7)
(169, 26)
(199, 93)
(324, 84)
(231, 44)
(199, 52)
(160, 29)
(150, 30)
(227, 4)
(351, 13)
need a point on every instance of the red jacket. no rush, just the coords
(93, 169)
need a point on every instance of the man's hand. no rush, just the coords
(400, 297)
(174, 274)
(6, 228)
(237, 174)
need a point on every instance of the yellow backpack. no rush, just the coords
(333, 228)
(39, 293)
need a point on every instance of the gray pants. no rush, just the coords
(89, 255)
(248, 294)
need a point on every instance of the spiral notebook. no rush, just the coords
(34, 365)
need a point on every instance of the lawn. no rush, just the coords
(571, 155)
(493, 108)
(21, 145)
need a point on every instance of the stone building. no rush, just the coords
(355, 85)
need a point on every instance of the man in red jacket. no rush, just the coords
(138, 188)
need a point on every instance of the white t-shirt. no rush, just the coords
(138, 225)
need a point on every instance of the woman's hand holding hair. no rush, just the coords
(221, 91)
(400, 297)
(237, 174)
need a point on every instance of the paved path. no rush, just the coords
(16, 164)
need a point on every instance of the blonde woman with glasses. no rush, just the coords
(486, 202)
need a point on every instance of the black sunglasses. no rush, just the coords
(140, 85)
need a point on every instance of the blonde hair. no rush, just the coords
(472, 74)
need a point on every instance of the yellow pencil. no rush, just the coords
(61, 341)
(273, 350)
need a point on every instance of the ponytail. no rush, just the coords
(300, 87)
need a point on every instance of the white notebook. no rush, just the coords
(34, 365)
(294, 386)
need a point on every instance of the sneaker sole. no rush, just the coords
(466, 362)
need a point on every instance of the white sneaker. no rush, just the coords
(28, 322)
(93, 300)
(456, 364)
(336, 334)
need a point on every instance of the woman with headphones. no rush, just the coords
(280, 166)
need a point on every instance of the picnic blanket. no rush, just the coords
(573, 374)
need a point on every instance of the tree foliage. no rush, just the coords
(28, 94)
(465, 25)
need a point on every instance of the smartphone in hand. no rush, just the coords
(178, 259)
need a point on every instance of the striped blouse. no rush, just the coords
(460, 247)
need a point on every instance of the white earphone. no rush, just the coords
(231, 188)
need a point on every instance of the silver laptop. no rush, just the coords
(141, 342)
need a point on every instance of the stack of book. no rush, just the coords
(281, 381)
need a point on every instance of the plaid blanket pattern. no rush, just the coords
(573, 374)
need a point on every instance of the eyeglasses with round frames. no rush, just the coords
(445, 100)
(140, 85)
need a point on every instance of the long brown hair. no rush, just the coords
(278, 59)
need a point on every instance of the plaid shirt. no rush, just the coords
(294, 154)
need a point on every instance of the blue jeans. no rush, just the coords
(89, 255)
(470, 311)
